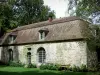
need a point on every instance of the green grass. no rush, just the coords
(7, 70)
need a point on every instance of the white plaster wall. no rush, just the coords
(73, 53)
(64, 53)
(22, 54)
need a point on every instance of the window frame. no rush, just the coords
(12, 38)
(10, 51)
(29, 57)
(41, 55)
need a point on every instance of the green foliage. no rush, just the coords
(7, 70)
(75, 68)
(2, 63)
(30, 66)
(16, 64)
(33, 66)
(43, 67)
(98, 66)
(30, 11)
(95, 42)
(82, 68)
(6, 17)
(94, 69)
(68, 67)
(50, 66)
(84, 8)
(14, 13)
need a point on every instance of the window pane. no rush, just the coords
(41, 55)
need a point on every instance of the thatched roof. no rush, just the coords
(59, 29)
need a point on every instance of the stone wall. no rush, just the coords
(4, 53)
(0, 52)
(91, 54)
(64, 53)
(91, 59)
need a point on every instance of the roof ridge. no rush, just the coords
(46, 23)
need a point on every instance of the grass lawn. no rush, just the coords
(7, 70)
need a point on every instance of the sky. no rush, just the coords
(59, 6)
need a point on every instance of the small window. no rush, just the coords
(29, 49)
(43, 33)
(97, 32)
(12, 38)
(29, 57)
(10, 55)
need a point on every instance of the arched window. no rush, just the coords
(29, 57)
(10, 54)
(41, 55)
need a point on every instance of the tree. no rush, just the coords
(15, 13)
(30, 11)
(6, 18)
(86, 9)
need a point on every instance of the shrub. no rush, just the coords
(2, 63)
(43, 66)
(15, 64)
(83, 68)
(49, 66)
(98, 66)
(57, 66)
(68, 67)
(94, 69)
(75, 68)
(33, 66)
(54, 66)
(30, 66)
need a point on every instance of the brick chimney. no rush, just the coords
(50, 19)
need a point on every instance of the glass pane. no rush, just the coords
(41, 56)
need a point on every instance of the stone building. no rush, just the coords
(61, 41)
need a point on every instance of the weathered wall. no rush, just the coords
(92, 54)
(91, 59)
(0, 52)
(73, 53)
(4, 53)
